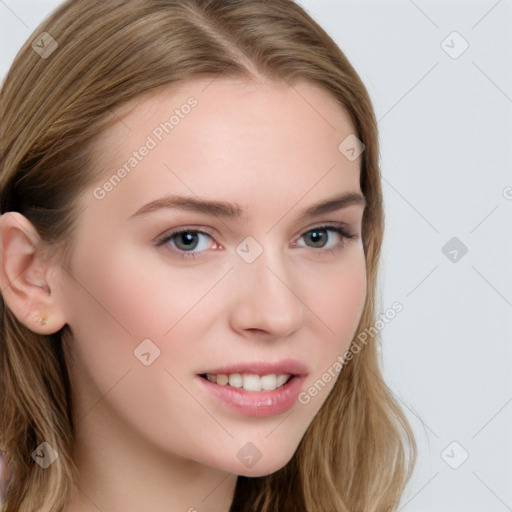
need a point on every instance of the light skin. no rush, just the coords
(152, 437)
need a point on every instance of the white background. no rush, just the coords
(446, 149)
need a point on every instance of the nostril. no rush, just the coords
(256, 331)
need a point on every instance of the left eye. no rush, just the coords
(320, 238)
(188, 242)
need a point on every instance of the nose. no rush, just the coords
(266, 299)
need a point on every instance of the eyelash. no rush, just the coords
(190, 255)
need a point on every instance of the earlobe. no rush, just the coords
(25, 275)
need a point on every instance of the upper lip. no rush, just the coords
(284, 366)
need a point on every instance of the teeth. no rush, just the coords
(235, 380)
(250, 381)
(268, 382)
(280, 380)
(222, 380)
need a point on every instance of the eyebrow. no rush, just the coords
(234, 211)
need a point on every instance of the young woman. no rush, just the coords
(190, 235)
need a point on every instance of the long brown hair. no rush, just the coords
(358, 453)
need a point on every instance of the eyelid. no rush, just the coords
(174, 231)
(327, 224)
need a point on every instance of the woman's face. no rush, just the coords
(252, 291)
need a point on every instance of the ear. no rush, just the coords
(27, 275)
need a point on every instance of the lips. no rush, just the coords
(264, 370)
(282, 367)
(257, 388)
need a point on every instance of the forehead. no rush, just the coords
(224, 138)
(221, 107)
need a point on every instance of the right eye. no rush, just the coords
(184, 241)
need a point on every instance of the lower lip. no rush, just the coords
(257, 403)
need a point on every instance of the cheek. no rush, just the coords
(124, 289)
(339, 304)
(337, 299)
(118, 298)
(113, 303)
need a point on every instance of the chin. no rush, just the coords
(266, 465)
(257, 471)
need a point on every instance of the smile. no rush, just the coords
(249, 381)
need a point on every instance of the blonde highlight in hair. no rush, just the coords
(358, 453)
